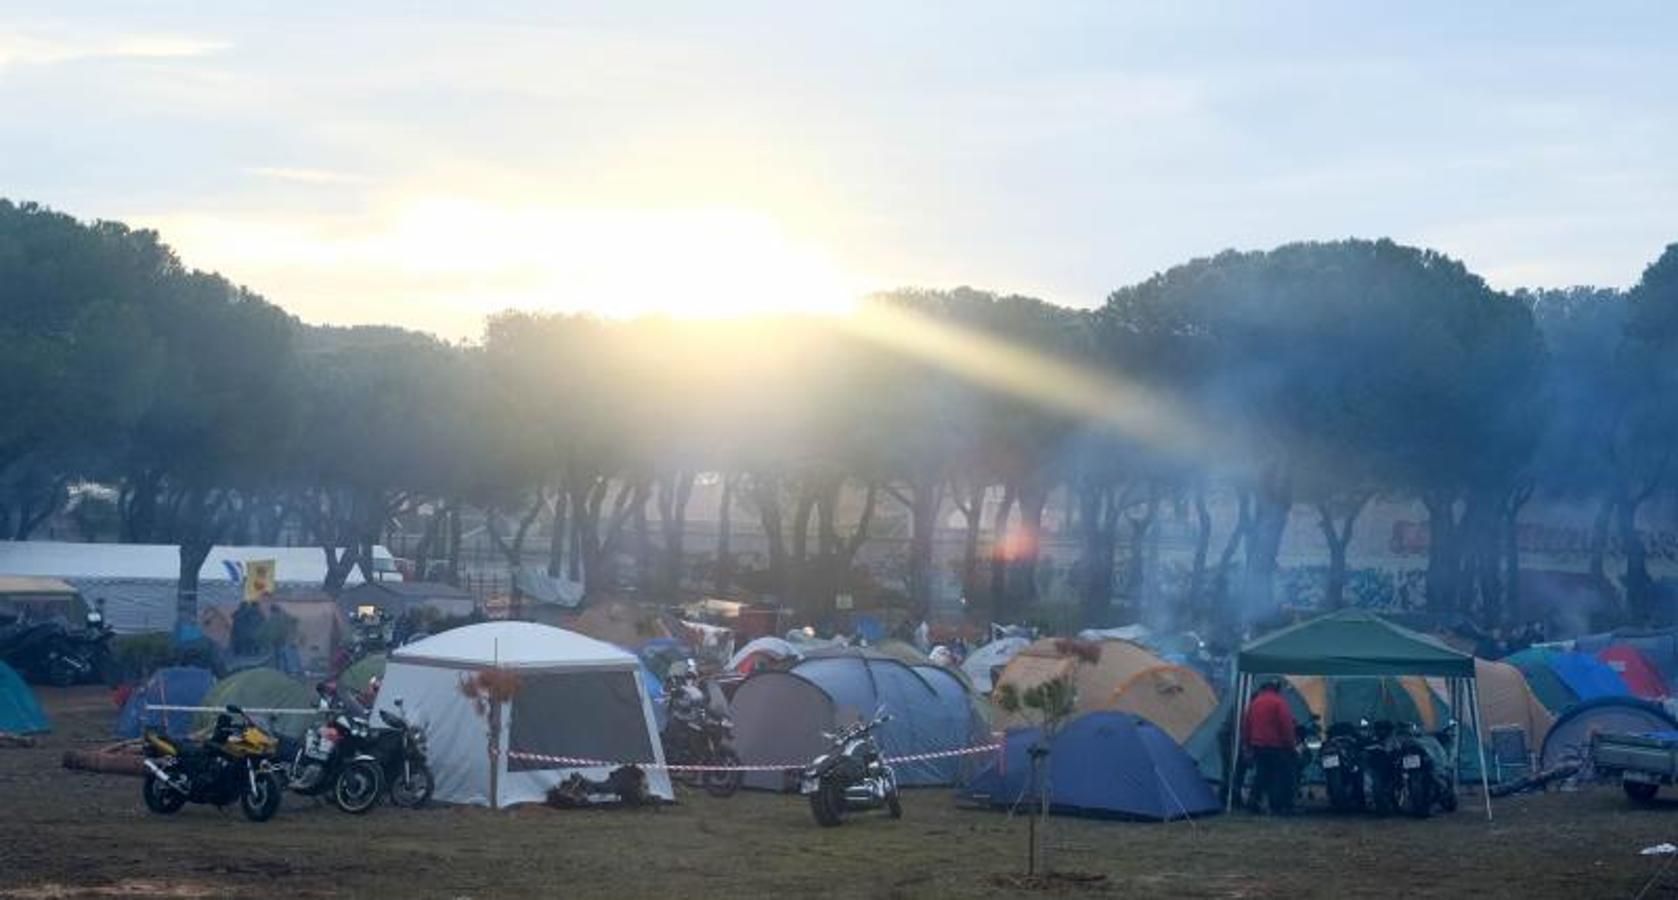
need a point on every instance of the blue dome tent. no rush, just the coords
(1105, 764)
(779, 715)
(20, 713)
(174, 686)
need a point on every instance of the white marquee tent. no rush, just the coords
(574, 697)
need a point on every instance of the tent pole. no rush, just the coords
(1235, 739)
(1485, 779)
(1456, 733)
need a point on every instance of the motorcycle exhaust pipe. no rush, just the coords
(162, 776)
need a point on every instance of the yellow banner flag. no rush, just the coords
(259, 579)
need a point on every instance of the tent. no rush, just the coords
(902, 651)
(174, 686)
(762, 651)
(621, 624)
(1580, 676)
(982, 663)
(1658, 646)
(1639, 675)
(264, 689)
(359, 674)
(1570, 738)
(1358, 642)
(779, 716)
(1392, 698)
(1124, 676)
(20, 713)
(538, 690)
(1101, 764)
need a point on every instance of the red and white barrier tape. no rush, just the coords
(581, 762)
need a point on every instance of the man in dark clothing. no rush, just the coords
(1267, 736)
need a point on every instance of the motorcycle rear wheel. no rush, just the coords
(1418, 793)
(724, 784)
(357, 787)
(259, 804)
(827, 805)
(161, 798)
(413, 790)
(1639, 791)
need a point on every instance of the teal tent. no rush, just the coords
(19, 711)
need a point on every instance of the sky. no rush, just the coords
(427, 164)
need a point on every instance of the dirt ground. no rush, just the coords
(68, 833)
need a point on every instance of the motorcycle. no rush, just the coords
(48, 652)
(1341, 758)
(237, 763)
(332, 759)
(851, 775)
(399, 748)
(697, 735)
(1419, 783)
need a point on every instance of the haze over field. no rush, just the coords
(407, 163)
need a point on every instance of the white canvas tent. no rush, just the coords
(575, 697)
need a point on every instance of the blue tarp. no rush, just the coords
(20, 713)
(1587, 676)
(175, 686)
(1103, 763)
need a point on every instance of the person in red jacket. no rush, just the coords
(1267, 738)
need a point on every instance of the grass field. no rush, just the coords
(75, 834)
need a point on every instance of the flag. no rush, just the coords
(259, 579)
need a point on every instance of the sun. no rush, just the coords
(689, 263)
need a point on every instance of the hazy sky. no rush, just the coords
(405, 162)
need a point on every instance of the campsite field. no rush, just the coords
(75, 834)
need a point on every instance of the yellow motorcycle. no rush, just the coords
(237, 763)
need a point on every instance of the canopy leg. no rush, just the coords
(1485, 779)
(1235, 741)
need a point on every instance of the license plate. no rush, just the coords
(809, 786)
(1412, 762)
(1331, 762)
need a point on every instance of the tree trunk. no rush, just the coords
(1443, 553)
(924, 498)
(1273, 498)
(1001, 608)
(1097, 520)
(1338, 536)
(1202, 545)
(557, 533)
(725, 525)
(1640, 588)
(1518, 497)
(192, 555)
(1022, 572)
(971, 503)
(1227, 600)
(766, 497)
(340, 562)
(454, 543)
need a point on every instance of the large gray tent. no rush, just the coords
(779, 716)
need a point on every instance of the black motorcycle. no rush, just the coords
(851, 776)
(49, 652)
(1341, 758)
(1419, 781)
(399, 748)
(697, 735)
(236, 764)
(333, 761)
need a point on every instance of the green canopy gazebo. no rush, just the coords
(1355, 642)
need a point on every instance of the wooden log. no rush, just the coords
(107, 763)
(7, 739)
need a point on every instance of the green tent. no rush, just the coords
(19, 711)
(264, 689)
(1352, 642)
(1356, 642)
(357, 675)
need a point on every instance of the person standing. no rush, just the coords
(1268, 739)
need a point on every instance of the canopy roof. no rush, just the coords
(1352, 642)
(515, 645)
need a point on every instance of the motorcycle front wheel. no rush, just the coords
(62, 673)
(161, 798)
(827, 804)
(357, 788)
(412, 788)
(894, 804)
(724, 784)
(261, 801)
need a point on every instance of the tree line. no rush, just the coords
(1315, 375)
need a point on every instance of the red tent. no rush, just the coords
(1634, 668)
